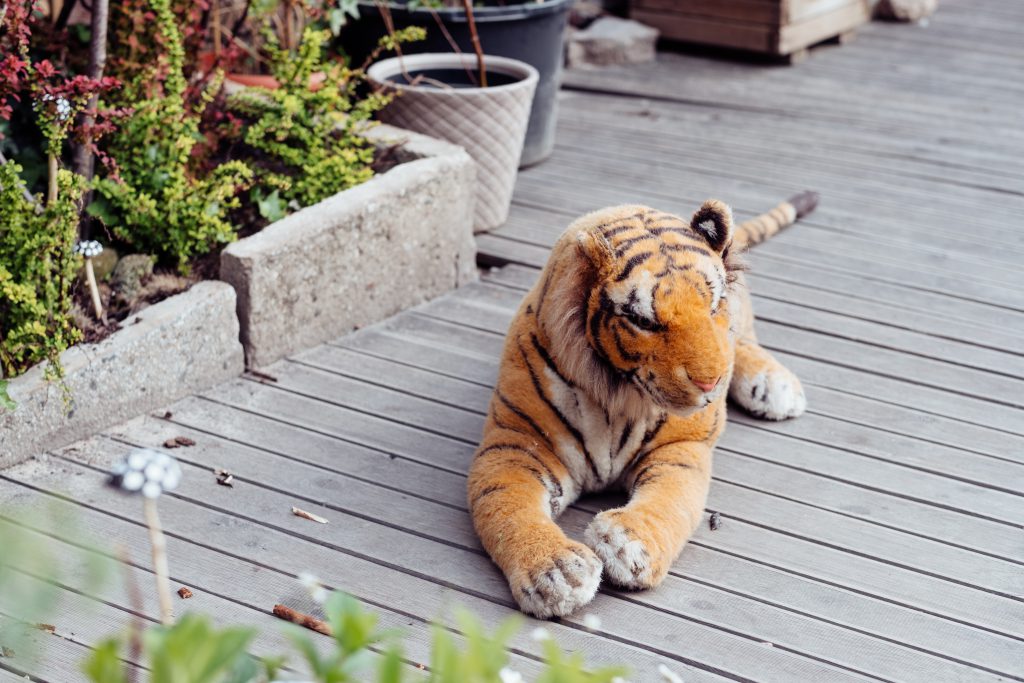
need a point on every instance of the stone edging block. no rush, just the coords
(182, 345)
(401, 238)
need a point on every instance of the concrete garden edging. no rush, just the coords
(184, 344)
(397, 240)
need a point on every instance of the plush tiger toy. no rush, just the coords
(614, 374)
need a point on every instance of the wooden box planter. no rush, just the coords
(784, 28)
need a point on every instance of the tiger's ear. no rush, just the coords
(594, 247)
(713, 222)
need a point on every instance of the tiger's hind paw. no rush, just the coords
(774, 395)
(558, 585)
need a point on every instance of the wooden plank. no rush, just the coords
(211, 572)
(311, 414)
(942, 270)
(53, 662)
(470, 571)
(1002, 536)
(931, 559)
(835, 464)
(159, 436)
(475, 304)
(270, 472)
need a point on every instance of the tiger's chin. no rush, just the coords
(681, 406)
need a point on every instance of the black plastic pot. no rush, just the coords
(532, 32)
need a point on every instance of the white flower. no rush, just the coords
(508, 675)
(313, 586)
(592, 621)
(147, 471)
(88, 248)
(668, 675)
(540, 634)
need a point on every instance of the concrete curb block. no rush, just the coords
(362, 255)
(182, 345)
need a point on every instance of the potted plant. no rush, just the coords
(532, 32)
(482, 103)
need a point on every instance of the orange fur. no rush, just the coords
(614, 374)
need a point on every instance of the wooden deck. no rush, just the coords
(878, 537)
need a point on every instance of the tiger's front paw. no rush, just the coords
(558, 584)
(628, 561)
(770, 395)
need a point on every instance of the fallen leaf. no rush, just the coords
(184, 593)
(715, 521)
(49, 628)
(224, 478)
(179, 441)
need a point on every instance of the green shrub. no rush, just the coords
(156, 201)
(193, 651)
(37, 272)
(308, 141)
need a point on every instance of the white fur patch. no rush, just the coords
(560, 586)
(775, 395)
(626, 561)
(643, 284)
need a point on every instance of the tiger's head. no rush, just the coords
(656, 304)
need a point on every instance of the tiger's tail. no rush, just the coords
(760, 228)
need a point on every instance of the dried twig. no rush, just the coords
(451, 42)
(308, 515)
(84, 161)
(304, 620)
(475, 37)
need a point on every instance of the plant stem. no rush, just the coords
(51, 169)
(475, 37)
(94, 291)
(159, 547)
(83, 158)
(136, 626)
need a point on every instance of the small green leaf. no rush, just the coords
(104, 664)
(6, 401)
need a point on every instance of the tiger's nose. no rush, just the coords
(707, 387)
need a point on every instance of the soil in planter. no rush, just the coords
(453, 78)
(122, 311)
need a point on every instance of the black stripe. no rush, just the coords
(622, 247)
(525, 417)
(548, 360)
(632, 263)
(543, 293)
(687, 247)
(640, 479)
(626, 432)
(620, 347)
(486, 492)
(555, 481)
(576, 434)
(653, 431)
